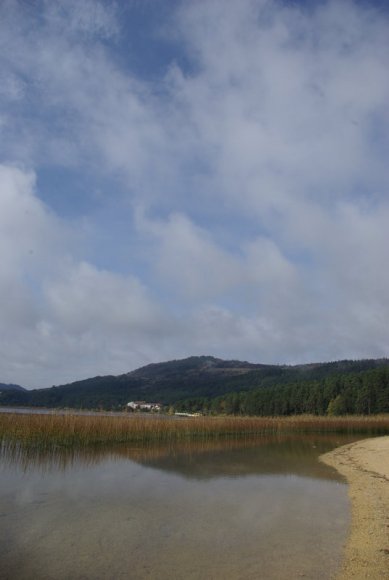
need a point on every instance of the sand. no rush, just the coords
(365, 464)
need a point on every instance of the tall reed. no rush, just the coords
(72, 430)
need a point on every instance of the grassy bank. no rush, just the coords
(47, 431)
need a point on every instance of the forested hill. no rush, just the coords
(207, 383)
(10, 387)
(348, 393)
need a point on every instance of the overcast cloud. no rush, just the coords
(191, 178)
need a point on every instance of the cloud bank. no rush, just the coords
(231, 199)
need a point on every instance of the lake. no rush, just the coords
(259, 508)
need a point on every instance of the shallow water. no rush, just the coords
(263, 508)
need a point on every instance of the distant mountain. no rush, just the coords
(196, 377)
(192, 368)
(166, 382)
(10, 387)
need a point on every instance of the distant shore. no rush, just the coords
(365, 464)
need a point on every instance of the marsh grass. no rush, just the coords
(293, 448)
(71, 430)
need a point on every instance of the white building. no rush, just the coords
(143, 406)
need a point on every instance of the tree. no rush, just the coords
(337, 406)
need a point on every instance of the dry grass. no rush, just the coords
(62, 458)
(72, 430)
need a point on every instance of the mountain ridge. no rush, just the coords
(172, 381)
(11, 387)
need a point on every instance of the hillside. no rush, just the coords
(166, 382)
(10, 387)
(191, 383)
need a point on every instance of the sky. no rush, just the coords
(186, 178)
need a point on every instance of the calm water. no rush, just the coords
(265, 508)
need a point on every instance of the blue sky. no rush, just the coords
(182, 178)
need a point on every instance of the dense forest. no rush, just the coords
(212, 385)
(364, 393)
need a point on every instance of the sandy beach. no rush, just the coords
(365, 465)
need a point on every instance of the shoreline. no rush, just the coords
(365, 465)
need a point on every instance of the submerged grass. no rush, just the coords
(71, 430)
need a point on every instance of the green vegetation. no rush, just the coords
(52, 430)
(363, 393)
(214, 386)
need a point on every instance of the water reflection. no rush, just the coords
(252, 509)
(204, 459)
(266, 455)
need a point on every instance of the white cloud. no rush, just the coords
(85, 299)
(25, 227)
(60, 315)
(188, 261)
(260, 167)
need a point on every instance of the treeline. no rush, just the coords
(362, 393)
(216, 386)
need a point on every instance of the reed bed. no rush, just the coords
(72, 430)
